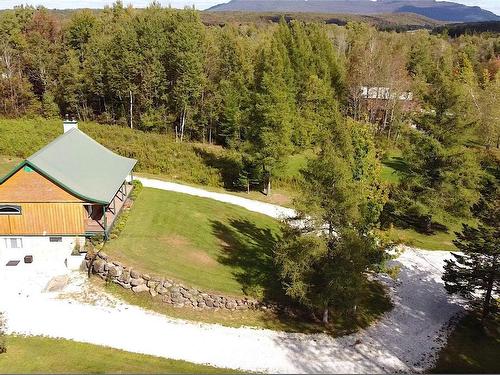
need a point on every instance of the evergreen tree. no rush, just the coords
(440, 178)
(234, 78)
(49, 107)
(322, 260)
(475, 272)
(274, 110)
(69, 91)
(325, 272)
(449, 115)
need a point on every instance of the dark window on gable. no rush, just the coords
(10, 210)
(55, 239)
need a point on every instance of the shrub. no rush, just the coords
(137, 189)
(76, 248)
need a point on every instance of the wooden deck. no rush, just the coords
(95, 223)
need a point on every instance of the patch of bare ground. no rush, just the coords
(192, 254)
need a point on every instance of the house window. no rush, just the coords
(14, 243)
(10, 210)
(55, 239)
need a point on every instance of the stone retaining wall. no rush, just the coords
(169, 291)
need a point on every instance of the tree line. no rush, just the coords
(161, 69)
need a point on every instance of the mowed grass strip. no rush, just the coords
(203, 243)
(56, 356)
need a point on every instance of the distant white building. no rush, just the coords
(380, 103)
(384, 93)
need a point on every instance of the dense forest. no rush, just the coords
(348, 96)
(264, 90)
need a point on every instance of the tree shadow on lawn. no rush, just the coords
(420, 224)
(248, 250)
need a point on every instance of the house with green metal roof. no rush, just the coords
(72, 188)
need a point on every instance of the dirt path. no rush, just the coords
(405, 339)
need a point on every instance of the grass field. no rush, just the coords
(207, 244)
(392, 165)
(7, 163)
(388, 173)
(44, 355)
(471, 349)
(410, 237)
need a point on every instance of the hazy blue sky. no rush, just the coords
(493, 5)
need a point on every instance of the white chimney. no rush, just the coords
(69, 124)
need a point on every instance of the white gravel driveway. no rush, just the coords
(267, 209)
(405, 339)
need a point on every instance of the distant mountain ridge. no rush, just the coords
(438, 10)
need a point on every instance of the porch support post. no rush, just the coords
(105, 222)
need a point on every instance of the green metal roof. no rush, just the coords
(82, 166)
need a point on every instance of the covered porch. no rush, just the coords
(101, 218)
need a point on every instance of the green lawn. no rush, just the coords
(204, 243)
(45, 355)
(470, 349)
(410, 237)
(7, 163)
(391, 165)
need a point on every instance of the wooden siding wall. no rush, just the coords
(45, 219)
(24, 186)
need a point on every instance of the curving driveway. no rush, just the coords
(405, 339)
(267, 209)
